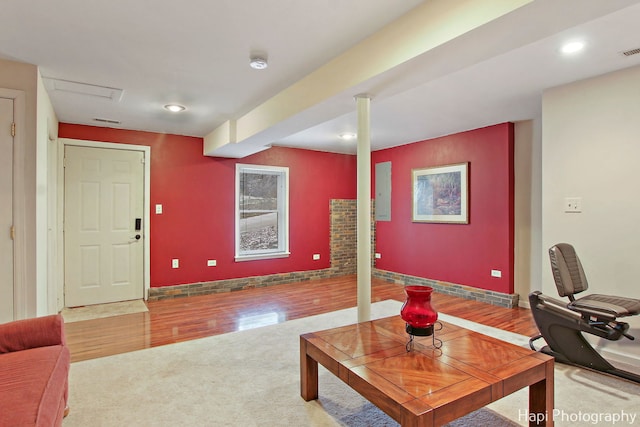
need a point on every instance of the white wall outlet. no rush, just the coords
(211, 263)
(378, 256)
(158, 209)
(573, 204)
(496, 273)
(316, 257)
(175, 263)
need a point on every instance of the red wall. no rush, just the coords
(197, 195)
(458, 253)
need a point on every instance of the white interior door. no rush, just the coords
(6, 211)
(103, 213)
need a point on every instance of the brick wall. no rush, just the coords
(343, 236)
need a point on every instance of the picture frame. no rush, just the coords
(440, 194)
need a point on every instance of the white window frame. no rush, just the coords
(283, 213)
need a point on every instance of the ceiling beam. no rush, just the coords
(432, 24)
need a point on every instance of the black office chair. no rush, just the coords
(561, 324)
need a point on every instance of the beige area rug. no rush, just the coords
(99, 311)
(251, 378)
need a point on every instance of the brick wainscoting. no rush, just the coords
(343, 262)
(468, 292)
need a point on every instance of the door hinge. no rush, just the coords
(13, 129)
(12, 231)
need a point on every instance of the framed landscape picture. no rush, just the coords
(440, 194)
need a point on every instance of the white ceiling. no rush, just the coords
(196, 53)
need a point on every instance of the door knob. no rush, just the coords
(138, 237)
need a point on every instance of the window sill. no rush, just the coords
(240, 258)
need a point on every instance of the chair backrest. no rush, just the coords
(567, 270)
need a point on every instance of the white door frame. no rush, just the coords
(146, 150)
(20, 290)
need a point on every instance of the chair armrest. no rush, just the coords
(601, 306)
(32, 333)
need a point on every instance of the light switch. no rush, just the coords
(158, 209)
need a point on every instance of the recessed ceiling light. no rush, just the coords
(258, 63)
(347, 136)
(573, 47)
(174, 108)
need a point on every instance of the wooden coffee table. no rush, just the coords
(427, 386)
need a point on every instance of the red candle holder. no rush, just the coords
(417, 311)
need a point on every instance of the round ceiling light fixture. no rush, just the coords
(347, 136)
(258, 63)
(572, 47)
(175, 108)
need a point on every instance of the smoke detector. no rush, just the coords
(258, 63)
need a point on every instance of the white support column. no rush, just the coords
(364, 209)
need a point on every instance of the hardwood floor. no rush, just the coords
(183, 319)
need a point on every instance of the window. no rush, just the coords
(262, 212)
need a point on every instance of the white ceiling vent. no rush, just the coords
(631, 52)
(110, 93)
(109, 121)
